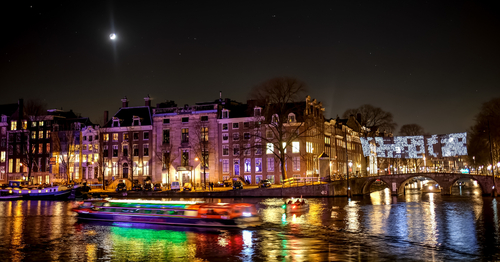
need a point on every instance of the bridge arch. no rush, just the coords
(396, 182)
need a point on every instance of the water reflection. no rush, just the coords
(376, 227)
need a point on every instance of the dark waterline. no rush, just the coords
(379, 227)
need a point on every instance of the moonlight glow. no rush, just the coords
(112, 36)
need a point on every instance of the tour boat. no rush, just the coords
(296, 205)
(20, 190)
(180, 213)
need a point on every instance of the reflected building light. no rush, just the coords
(247, 238)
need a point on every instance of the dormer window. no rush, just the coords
(225, 113)
(256, 111)
(4, 118)
(291, 118)
(136, 121)
(116, 122)
(275, 118)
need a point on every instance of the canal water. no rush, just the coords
(378, 227)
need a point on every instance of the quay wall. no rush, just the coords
(323, 190)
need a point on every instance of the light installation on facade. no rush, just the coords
(448, 145)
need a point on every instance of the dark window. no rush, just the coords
(125, 150)
(105, 152)
(84, 138)
(90, 138)
(166, 121)
(136, 150)
(204, 118)
(115, 152)
(246, 124)
(136, 136)
(185, 119)
(146, 150)
(146, 135)
(166, 136)
(235, 125)
(246, 136)
(166, 159)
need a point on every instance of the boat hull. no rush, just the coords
(168, 220)
(10, 197)
(50, 194)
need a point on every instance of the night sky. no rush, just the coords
(430, 63)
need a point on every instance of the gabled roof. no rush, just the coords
(8, 109)
(126, 115)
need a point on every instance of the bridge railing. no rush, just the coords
(300, 181)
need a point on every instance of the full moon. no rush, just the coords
(112, 36)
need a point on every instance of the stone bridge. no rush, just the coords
(397, 182)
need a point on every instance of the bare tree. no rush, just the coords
(373, 117)
(411, 130)
(167, 156)
(65, 145)
(279, 99)
(484, 135)
(201, 144)
(33, 110)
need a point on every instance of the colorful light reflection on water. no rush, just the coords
(372, 228)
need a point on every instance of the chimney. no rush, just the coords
(124, 102)
(147, 101)
(106, 117)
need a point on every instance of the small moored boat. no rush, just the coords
(22, 190)
(181, 213)
(296, 205)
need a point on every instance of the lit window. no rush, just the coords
(270, 164)
(258, 165)
(13, 125)
(309, 147)
(296, 147)
(105, 137)
(115, 136)
(269, 148)
(248, 165)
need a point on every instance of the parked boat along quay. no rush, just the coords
(317, 190)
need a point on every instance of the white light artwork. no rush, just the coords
(415, 146)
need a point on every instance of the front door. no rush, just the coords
(236, 167)
(125, 170)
